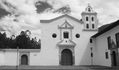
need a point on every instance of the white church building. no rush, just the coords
(66, 40)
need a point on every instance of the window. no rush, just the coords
(117, 39)
(106, 55)
(54, 35)
(89, 10)
(77, 35)
(66, 35)
(93, 25)
(86, 18)
(87, 26)
(91, 54)
(91, 41)
(109, 42)
(92, 18)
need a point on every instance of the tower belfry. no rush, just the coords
(89, 9)
(89, 17)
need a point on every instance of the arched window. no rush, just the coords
(24, 60)
(87, 26)
(92, 18)
(89, 10)
(93, 26)
(86, 18)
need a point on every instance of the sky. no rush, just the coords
(24, 15)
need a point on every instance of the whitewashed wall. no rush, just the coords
(8, 58)
(49, 53)
(101, 46)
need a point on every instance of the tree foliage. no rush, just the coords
(21, 41)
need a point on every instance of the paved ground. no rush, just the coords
(58, 68)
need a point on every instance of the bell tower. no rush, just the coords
(89, 18)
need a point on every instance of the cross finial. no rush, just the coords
(88, 4)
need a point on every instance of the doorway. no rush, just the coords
(114, 59)
(24, 60)
(66, 57)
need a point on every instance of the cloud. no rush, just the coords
(24, 14)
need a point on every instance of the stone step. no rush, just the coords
(58, 68)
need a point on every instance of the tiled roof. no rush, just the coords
(106, 28)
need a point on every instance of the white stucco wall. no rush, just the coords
(49, 53)
(8, 58)
(101, 46)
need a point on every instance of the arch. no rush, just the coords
(66, 57)
(114, 63)
(89, 9)
(86, 18)
(24, 60)
(93, 26)
(87, 26)
(92, 18)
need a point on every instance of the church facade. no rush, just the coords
(65, 40)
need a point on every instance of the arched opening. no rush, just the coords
(92, 18)
(93, 26)
(66, 57)
(86, 18)
(114, 63)
(87, 26)
(89, 10)
(24, 60)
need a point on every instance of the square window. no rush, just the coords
(66, 35)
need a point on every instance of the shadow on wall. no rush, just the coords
(87, 56)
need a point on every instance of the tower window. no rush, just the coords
(92, 18)
(66, 35)
(106, 55)
(89, 10)
(87, 26)
(93, 26)
(86, 18)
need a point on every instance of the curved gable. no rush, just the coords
(51, 20)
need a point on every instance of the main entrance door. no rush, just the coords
(66, 57)
(114, 62)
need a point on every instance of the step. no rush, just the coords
(88, 67)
